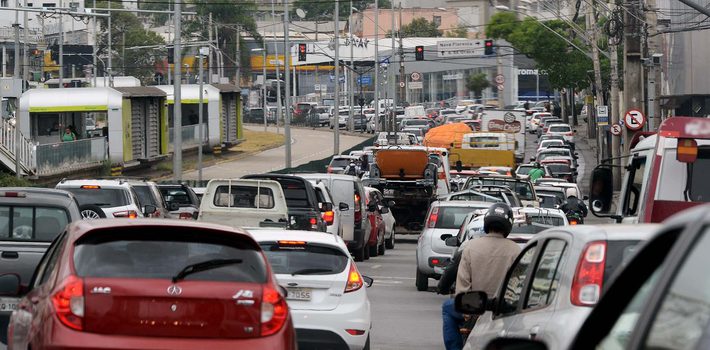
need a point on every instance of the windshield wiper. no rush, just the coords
(310, 271)
(204, 266)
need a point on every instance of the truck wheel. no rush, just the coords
(389, 242)
(359, 255)
(422, 282)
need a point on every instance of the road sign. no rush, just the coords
(501, 87)
(500, 79)
(416, 76)
(602, 115)
(415, 85)
(460, 48)
(323, 87)
(634, 120)
(317, 87)
(616, 129)
(401, 84)
(364, 80)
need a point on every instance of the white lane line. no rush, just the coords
(380, 282)
(392, 278)
(376, 266)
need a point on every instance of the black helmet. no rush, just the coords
(537, 165)
(499, 218)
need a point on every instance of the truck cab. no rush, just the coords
(663, 174)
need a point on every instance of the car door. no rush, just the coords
(507, 307)
(539, 303)
(343, 193)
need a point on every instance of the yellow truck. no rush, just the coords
(481, 149)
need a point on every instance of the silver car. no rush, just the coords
(443, 220)
(554, 283)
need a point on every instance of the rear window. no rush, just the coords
(295, 192)
(145, 195)
(557, 194)
(618, 254)
(339, 162)
(244, 197)
(547, 220)
(307, 259)
(32, 223)
(524, 170)
(560, 129)
(102, 197)
(452, 217)
(118, 254)
(176, 195)
(559, 168)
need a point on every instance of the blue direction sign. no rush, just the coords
(364, 80)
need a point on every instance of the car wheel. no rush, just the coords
(91, 212)
(366, 251)
(367, 344)
(359, 255)
(422, 281)
(389, 242)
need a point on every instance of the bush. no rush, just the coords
(9, 180)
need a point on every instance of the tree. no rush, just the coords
(420, 27)
(325, 8)
(477, 83)
(459, 32)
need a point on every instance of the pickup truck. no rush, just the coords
(30, 219)
(244, 203)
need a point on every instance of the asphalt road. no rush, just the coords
(306, 145)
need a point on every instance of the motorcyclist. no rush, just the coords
(536, 172)
(452, 320)
(573, 204)
(485, 261)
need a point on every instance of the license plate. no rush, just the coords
(299, 294)
(389, 192)
(8, 305)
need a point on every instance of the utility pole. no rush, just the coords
(336, 105)
(352, 64)
(402, 83)
(16, 75)
(378, 125)
(177, 98)
(263, 84)
(633, 67)
(614, 112)
(592, 121)
(287, 82)
(209, 58)
(238, 59)
(391, 77)
(110, 52)
(276, 54)
(200, 127)
(95, 53)
(25, 50)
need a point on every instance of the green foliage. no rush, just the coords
(9, 180)
(326, 8)
(477, 83)
(459, 32)
(566, 66)
(420, 27)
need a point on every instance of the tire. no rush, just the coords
(389, 242)
(367, 344)
(91, 212)
(366, 251)
(422, 282)
(373, 250)
(359, 255)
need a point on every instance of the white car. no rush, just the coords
(387, 216)
(563, 130)
(547, 143)
(326, 294)
(330, 215)
(535, 121)
(106, 199)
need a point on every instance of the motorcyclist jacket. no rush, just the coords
(484, 263)
(573, 204)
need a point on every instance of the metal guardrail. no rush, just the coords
(7, 146)
(190, 135)
(55, 158)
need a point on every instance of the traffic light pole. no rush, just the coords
(336, 104)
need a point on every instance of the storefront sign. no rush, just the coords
(457, 76)
(501, 125)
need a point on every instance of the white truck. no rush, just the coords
(244, 203)
(512, 122)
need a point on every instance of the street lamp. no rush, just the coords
(263, 81)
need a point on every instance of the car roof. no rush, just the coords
(560, 124)
(272, 235)
(549, 188)
(609, 232)
(79, 228)
(461, 204)
(102, 183)
(38, 195)
(320, 176)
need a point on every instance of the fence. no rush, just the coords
(190, 136)
(7, 144)
(56, 158)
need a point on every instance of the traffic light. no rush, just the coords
(419, 53)
(488, 45)
(55, 55)
(301, 52)
(171, 55)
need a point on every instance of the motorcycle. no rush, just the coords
(574, 218)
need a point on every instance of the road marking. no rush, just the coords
(376, 266)
(392, 278)
(380, 282)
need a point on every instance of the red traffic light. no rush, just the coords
(420, 49)
(489, 43)
(302, 48)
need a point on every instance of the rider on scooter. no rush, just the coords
(573, 205)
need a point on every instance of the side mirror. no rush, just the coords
(601, 190)
(368, 281)
(452, 241)
(515, 344)
(9, 285)
(325, 206)
(459, 166)
(149, 210)
(384, 210)
(172, 206)
(445, 236)
(471, 302)
(343, 206)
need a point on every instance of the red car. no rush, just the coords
(152, 284)
(376, 240)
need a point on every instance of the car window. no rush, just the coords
(451, 217)
(311, 259)
(339, 162)
(684, 313)
(102, 197)
(547, 275)
(560, 129)
(32, 223)
(244, 197)
(176, 195)
(121, 254)
(145, 195)
(513, 285)
(296, 193)
(49, 260)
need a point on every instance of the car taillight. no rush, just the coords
(329, 217)
(358, 211)
(274, 311)
(186, 216)
(587, 283)
(433, 217)
(314, 223)
(573, 222)
(569, 134)
(354, 279)
(130, 214)
(69, 302)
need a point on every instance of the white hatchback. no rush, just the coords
(326, 294)
(563, 130)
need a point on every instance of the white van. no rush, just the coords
(349, 199)
(244, 203)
